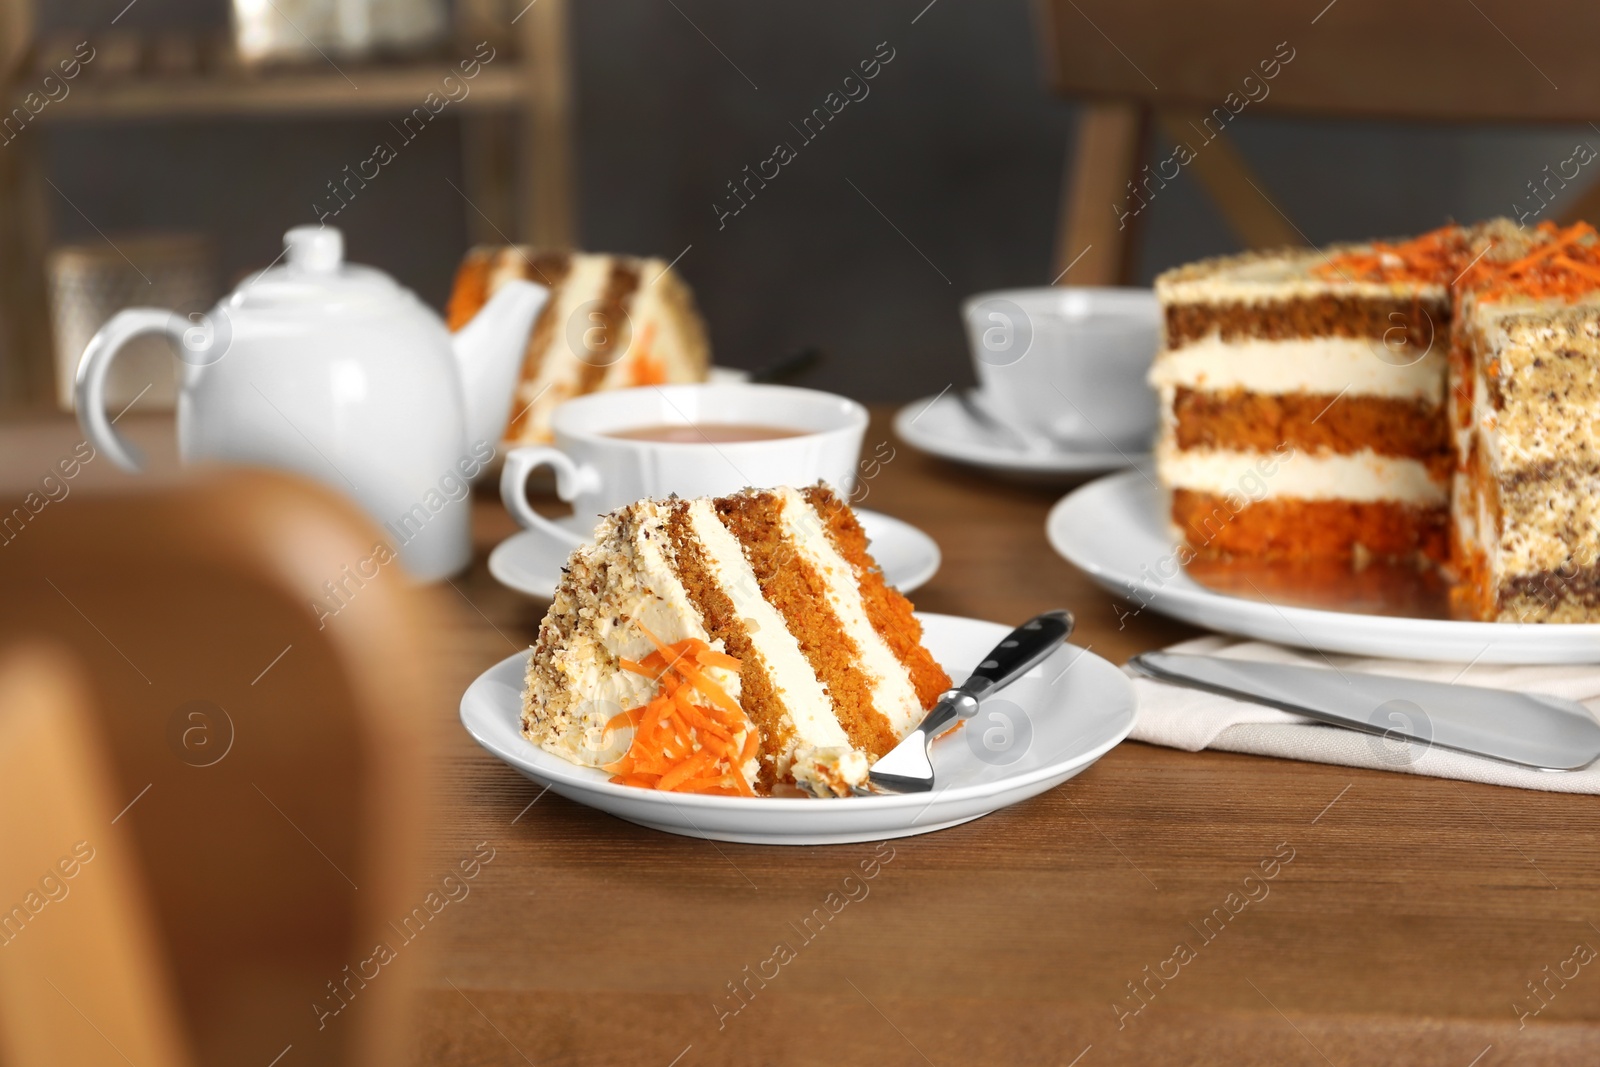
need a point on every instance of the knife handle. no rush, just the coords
(1023, 649)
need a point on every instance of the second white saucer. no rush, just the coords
(530, 562)
(940, 426)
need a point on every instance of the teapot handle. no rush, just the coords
(89, 391)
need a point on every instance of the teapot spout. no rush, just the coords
(489, 352)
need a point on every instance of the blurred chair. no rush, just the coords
(95, 959)
(260, 685)
(1144, 65)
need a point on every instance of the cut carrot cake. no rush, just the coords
(729, 645)
(1434, 399)
(611, 321)
(1304, 409)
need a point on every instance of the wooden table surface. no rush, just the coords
(1403, 921)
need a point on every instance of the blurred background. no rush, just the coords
(618, 124)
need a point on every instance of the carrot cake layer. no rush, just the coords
(1376, 317)
(611, 321)
(1244, 421)
(1217, 525)
(683, 609)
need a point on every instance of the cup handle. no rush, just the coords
(572, 479)
(89, 388)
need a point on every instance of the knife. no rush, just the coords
(1528, 729)
(907, 768)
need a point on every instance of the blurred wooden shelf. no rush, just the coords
(328, 92)
(514, 122)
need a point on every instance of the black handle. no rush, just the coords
(1022, 650)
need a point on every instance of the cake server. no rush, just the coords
(1543, 732)
(907, 768)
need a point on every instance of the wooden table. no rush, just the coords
(1404, 929)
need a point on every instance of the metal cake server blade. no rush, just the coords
(1530, 730)
(908, 768)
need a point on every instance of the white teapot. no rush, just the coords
(336, 372)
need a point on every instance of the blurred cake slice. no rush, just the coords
(1303, 397)
(750, 639)
(611, 321)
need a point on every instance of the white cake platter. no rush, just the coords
(1116, 530)
(1043, 729)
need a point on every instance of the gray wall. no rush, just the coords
(958, 145)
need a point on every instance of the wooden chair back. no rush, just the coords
(260, 675)
(1187, 69)
(83, 977)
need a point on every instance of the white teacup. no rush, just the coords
(597, 471)
(1068, 363)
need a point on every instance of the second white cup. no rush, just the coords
(1069, 363)
(616, 447)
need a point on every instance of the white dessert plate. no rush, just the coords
(1116, 530)
(530, 562)
(1041, 730)
(940, 426)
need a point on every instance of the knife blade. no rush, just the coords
(1527, 729)
(907, 768)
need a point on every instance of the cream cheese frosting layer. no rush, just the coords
(1361, 476)
(804, 696)
(892, 692)
(1261, 278)
(1321, 365)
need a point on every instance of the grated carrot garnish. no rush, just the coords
(1563, 265)
(712, 658)
(690, 736)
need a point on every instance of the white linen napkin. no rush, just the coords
(1192, 720)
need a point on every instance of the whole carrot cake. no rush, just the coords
(1430, 399)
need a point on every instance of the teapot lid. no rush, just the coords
(314, 274)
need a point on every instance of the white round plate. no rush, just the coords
(1116, 530)
(940, 426)
(1054, 722)
(530, 562)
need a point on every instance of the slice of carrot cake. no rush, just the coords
(1526, 399)
(729, 645)
(611, 321)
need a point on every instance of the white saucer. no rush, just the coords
(1116, 530)
(1043, 729)
(530, 562)
(940, 426)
